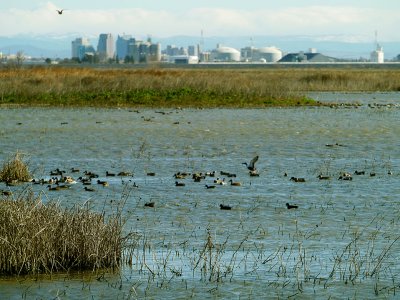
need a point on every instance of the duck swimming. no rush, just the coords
(225, 207)
(235, 183)
(291, 206)
(297, 179)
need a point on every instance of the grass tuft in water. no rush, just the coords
(40, 238)
(15, 169)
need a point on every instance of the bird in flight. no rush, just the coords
(60, 11)
(251, 166)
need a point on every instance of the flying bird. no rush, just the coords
(251, 166)
(60, 11)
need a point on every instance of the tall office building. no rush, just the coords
(193, 51)
(123, 43)
(105, 47)
(80, 47)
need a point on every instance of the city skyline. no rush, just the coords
(127, 49)
(351, 21)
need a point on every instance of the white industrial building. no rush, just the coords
(225, 54)
(267, 54)
(184, 59)
(377, 56)
(263, 54)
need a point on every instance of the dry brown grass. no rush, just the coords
(44, 238)
(158, 87)
(15, 170)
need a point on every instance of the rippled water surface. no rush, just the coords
(341, 241)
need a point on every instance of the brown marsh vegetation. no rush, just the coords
(15, 170)
(157, 87)
(44, 238)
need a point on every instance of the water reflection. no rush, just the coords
(260, 241)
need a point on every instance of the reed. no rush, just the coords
(15, 169)
(44, 238)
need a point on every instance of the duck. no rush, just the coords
(251, 166)
(254, 173)
(220, 181)
(179, 183)
(151, 174)
(68, 179)
(53, 188)
(6, 193)
(124, 174)
(198, 176)
(63, 187)
(323, 177)
(333, 145)
(210, 174)
(224, 173)
(104, 183)
(108, 174)
(89, 189)
(297, 179)
(53, 180)
(12, 182)
(57, 172)
(198, 179)
(85, 180)
(179, 176)
(149, 204)
(74, 170)
(345, 176)
(37, 181)
(210, 186)
(291, 206)
(90, 174)
(225, 207)
(235, 183)
(359, 172)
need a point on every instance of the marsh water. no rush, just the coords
(341, 242)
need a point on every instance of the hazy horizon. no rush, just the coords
(350, 21)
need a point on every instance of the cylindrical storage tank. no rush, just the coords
(270, 54)
(378, 56)
(222, 54)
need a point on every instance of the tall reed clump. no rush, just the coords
(44, 238)
(15, 169)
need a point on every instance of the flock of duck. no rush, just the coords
(60, 181)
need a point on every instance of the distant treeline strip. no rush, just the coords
(203, 88)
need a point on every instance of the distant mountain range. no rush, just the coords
(341, 47)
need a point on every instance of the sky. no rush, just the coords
(349, 20)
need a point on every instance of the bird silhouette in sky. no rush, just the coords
(60, 11)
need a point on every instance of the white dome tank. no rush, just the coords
(225, 54)
(270, 54)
